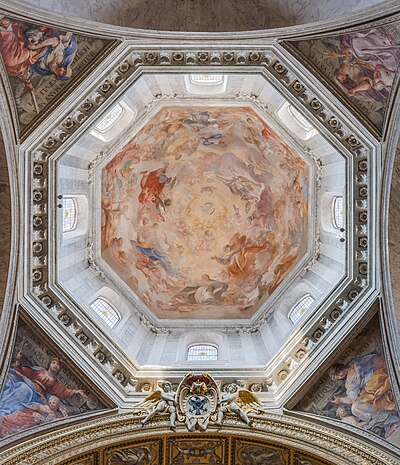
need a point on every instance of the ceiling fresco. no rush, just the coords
(205, 212)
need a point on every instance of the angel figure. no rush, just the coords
(238, 401)
(161, 401)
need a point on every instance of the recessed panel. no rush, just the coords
(205, 212)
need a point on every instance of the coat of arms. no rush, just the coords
(198, 400)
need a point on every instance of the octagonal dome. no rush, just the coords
(204, 212)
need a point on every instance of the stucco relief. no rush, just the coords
(205, 212)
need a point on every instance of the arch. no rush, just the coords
(202, 352)
(300, 308)
(114, 121)
(105, 311)
(302, 441)
(201, 338)
(330, 222)
(294, 120)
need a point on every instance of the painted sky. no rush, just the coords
(204, 212)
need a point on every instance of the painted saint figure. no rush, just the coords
(32, 395)
(369, 394)
(368, 64)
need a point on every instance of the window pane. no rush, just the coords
(206, 79)
(106, 312)
(110, 118)
(338, 214)
(300, 118)
(69, 214)
(202, 352)
(300, 308)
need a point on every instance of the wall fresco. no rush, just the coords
(205, 212)
(41, 63)
(40, 386)
(362, 65)
(357, 388)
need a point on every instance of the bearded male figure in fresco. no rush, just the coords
(368, 393)
(368, 63)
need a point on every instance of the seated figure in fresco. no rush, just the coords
(57, 56)
(368, 390)
(368, 64)
(33, 414)
(31, 395)
(45, 380)
(17, 57)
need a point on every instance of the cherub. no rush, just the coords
(163, 400)
(238, 401)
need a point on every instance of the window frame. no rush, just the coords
(297, 306)
(111, 310)
(334, 218)
(75, 222)
(196, 344)
(113, 123)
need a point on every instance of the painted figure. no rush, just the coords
(152, 186)
(32, 395)
(29, 50)
(368, 64)
(368, 393)
(210, 222)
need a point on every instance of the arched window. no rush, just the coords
(337, 212)
(202, 352)
(294, 120)
(69, 214)
(300, 119)
(207, 79)
(300, 308)
(110, 118)
(105, 311)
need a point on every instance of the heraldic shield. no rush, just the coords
(198, 398)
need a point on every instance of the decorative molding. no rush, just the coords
(282, 74)
(120, 432)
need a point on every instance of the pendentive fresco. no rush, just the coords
(42, 63)
(357, 390)
(205, 212)
(41, 386)
(361, 65)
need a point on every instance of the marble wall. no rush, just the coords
(206, 15)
